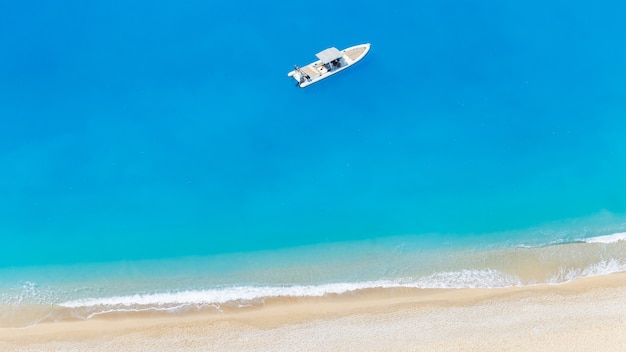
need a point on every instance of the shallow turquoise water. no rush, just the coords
(146, 132)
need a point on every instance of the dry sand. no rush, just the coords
(585, 315)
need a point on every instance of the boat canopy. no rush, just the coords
(329, 55)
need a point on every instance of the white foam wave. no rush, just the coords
(604, 267)
(223, 295)
(614, 238)
(457, 279)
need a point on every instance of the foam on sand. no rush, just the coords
(614, 238)
(604, 267)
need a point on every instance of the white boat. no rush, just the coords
(330, 62)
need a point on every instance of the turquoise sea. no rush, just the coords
(156, 157)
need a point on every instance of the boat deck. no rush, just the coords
(355, 53)
(309, 70)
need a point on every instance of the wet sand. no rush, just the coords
(584, 315)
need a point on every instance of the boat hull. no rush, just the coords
(317, 71)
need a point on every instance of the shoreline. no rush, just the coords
(584, 314)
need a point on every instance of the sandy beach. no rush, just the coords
(585, 315)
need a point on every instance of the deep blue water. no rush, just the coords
(147, 130)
